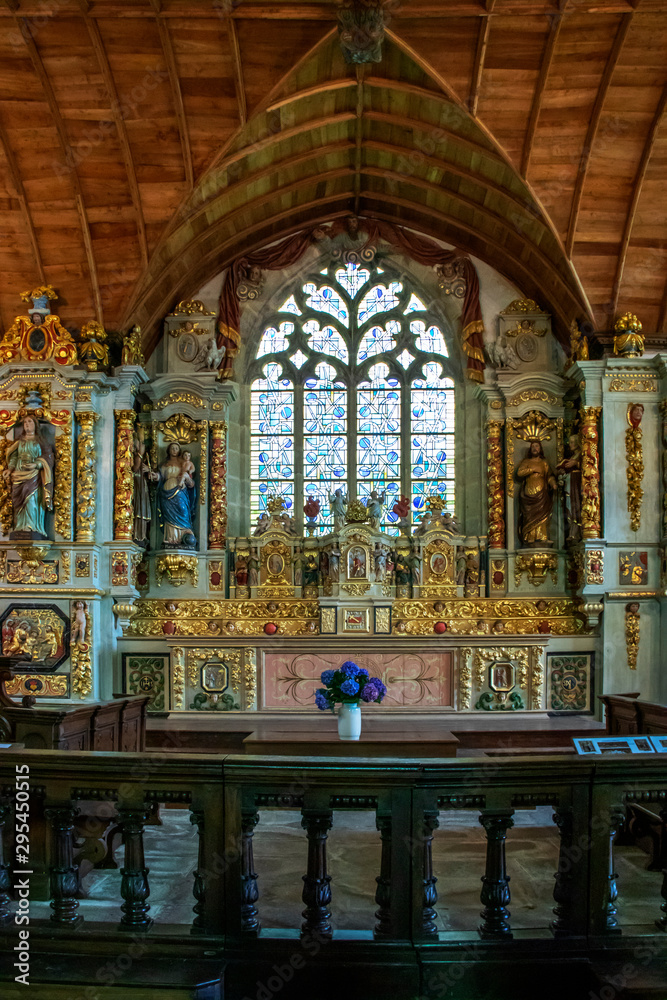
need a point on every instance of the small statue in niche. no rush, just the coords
(334, 564)
(374, 506)
(79, 625)
(536, 497)
(401, 570)
(571, 466)
(132, 353)
(288, 523)
(29, 473)
(578, 344)
(93, 352)
(298, 567)
(338, 507)
(241, 571)
(311, 573)
(449, 522)
(253, 569)
(177, 499)
(380, 560)
(324, 565)
(143, 475)
(415, 568)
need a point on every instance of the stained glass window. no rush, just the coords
(354, 389)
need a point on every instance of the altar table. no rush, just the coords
(322, 743)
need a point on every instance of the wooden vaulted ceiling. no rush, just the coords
(146, 143)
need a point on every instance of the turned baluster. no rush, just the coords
(63, 873)
(316, 889)
(430, 897)
(134, 886)
(495, 893)
(5, 879)
(199, 885)
(383, 891)
(616, 820)
(661, 924)
(249, 890)
(562, 925)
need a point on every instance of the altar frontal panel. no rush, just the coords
(414, 680)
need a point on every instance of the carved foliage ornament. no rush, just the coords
(361, 30)
(632, 633)
(590, 473)
(495, 484)
(634, 454)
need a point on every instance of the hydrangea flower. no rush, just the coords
(349, 669)
(349, 687)
(362, 676)
(322, 700)
(327, 677)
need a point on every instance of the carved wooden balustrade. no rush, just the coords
(227, 795)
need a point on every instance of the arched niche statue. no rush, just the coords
(29, 477)
(177, 497)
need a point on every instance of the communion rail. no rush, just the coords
(226, 796)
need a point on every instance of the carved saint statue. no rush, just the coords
(30, 473)
(177, 498)
(571, 466)
(142, 502)
(538, 484)
(338, 506)
(374, 506)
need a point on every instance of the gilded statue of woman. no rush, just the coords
(536, 497)
(29, 470)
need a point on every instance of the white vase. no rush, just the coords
(349, 721)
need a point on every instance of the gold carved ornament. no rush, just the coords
(521, 306)
(217, 530)
(119, 569)
(520, 616)
(178, 676)
(465, 677)
(123, 512)
(537, 678)
(177, 568)
(530, 395)
(57, 343)
(590, 473)
(634, 454)
(495, 484)
(250, 677)
(515, 654)
(93, 352)
(535, 564)
(191, 307)
(594, 566)
(632, 633)
(62, 495)
(180, 397)
(82, 675)
(633, 383)
(86, 478)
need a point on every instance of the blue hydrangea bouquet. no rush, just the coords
(348, 685)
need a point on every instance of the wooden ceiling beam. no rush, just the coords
(415, 124)
(239, 82)
(182, 283)
(636, 194)
(593, 125)
(500, 252)
(480, 54)
(316, 91)
(24, 28)
(494, 218)
(446, 166)
(176, 95)
(15, 175)
(123, 139)
(536, 107)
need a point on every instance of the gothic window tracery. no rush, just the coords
(352, 388)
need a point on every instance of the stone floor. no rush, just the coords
(354, 861)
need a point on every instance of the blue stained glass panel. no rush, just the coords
(326, 340)
(327, 300)
(275, 340)
(414, 305)
(377, 341)
(377, 300)
(429, 339)
(290, 306)
(352, 278)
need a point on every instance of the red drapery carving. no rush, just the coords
(292, 249)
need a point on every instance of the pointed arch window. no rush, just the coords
(352, 388)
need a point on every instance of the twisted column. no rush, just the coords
(123, 508)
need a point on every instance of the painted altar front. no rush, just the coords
(129, 560)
